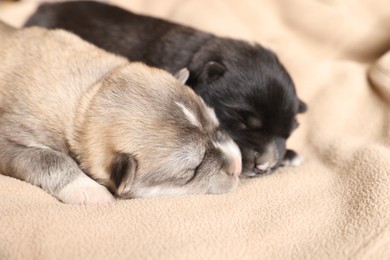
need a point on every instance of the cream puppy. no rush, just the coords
(84, 124)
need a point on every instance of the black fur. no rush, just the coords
(251, 92)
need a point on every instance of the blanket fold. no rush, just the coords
(379, 75)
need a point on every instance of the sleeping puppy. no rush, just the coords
(76, 120)
(252, 94)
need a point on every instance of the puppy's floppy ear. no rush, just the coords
(182, 75)
(122, 169)
(302, 107)
(212, 71)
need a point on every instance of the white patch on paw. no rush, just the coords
(298, 160)
(84, 190)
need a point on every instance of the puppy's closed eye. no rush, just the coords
(250, 121)
(193, 173)
(254, 122)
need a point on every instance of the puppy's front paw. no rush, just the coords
(291, 158)
(84, 190)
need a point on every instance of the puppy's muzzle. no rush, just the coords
(267, 160)
(234, 164)
(232, 157)
(275, 156)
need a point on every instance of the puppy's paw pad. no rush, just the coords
(84, 190)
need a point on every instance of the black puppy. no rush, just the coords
(252, 94)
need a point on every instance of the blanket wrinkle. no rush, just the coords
(379, 76)
(334, 206)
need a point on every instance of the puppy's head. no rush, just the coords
(253, 97)
(144, 133)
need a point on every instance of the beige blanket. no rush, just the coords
(335, 206)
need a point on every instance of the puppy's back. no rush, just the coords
(44, 72)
